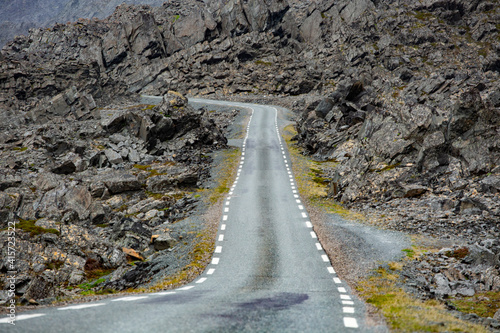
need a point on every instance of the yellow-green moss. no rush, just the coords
(29, 226)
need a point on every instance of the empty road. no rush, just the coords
(268, 272)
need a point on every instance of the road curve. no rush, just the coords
(268, 273)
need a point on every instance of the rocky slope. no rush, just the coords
(403, 94)
(17, 17)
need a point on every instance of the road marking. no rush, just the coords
(297, 201)
(223, 227)
(318, 246)
(230, 193)
(211, 271)
(224, 218)
(347, 302)
(215, 261)
(350, 322)
(346, 297)
(218, 249)
(309, 224)
(348, 309)
(301, 207)
(330, 270)
(81, 306)
(128, 299)
(295, 196)
(226, 210)
(221, 238)
(243, 154)
(325, 258)
(186, 288)
(285, 160)
(21, 317)
(304, 215)
(294, 190)
(227, 203)
(165, 293)
(342, 290)
(203, 279)
(337, 280)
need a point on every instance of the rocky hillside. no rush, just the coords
(403, 94)
(17, 17)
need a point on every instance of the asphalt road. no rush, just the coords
(268, 272)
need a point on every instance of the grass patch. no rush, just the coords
(410, 253)
(459, 253)
(483, 304)
(264, 63)
(29, 226)
(405, 313)
(310, 181)
(200, 257)
(20, 148)
(227, 170)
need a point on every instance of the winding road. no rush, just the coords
(268, 273)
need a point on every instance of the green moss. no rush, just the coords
(20, 148)
(55, 264)
(423, 16)
(97, 273)
(176, 17)
(410, 253)
(148, 107)
(29, 226)
(264, 63)
(484, 304)
(405, 313)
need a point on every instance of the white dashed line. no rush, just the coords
(325, 258)
(223, 227)
(186, 288)
(81, 306)
(346, 297)
(330, 270)
(21, 317)
(350, 322)
(128, 299)
(221, 238)
(304, 215)
(348, 309)
(218, 249)
(347, 302)
(211, 271)
(203, 279)
(224, 218)
(313, 235)
(301, 207)
(226, 210)
(318, 246)
(164, 293)
(215, 261)
(336, 280)
(309, 224)
(342, 290)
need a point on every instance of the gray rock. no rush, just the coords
(442, 289)
(163, 241)
(118, 182)
(113, 157)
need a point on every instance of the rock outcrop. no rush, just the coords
(87, 194)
